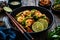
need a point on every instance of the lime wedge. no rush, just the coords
(7, 9)
(44, 22)
(37, 27)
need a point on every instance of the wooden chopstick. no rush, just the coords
(23, 31)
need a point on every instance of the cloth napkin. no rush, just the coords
(7, 34)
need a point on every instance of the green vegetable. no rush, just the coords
(24, 22)
(29, 16)
(57, 7)
(44, 17)
(35, 18)
(33, 10)
(56, 2)
(7, 9)
(55, 34)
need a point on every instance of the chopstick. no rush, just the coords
(23, 31)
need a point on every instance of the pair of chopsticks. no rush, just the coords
(20, 27)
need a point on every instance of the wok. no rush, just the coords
(43, 11)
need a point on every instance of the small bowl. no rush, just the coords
(55, 11)
(45, 6)
(14, 6)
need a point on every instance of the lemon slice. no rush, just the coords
(37, 27)
(7, 9)
(44, 22)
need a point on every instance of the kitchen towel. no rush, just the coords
(7, 34)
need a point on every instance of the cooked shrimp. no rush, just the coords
(37, 13)
(20, 19)
(45, 2)
(29, 22)
(27, 12)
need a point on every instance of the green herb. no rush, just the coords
(55, 34)
(44, 17)
(57, 2)
(33, 10)
(57, 5)
(35, 18)
(24, 22)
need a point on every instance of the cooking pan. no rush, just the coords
(43, 33)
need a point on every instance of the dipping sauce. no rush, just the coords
(15, 3)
